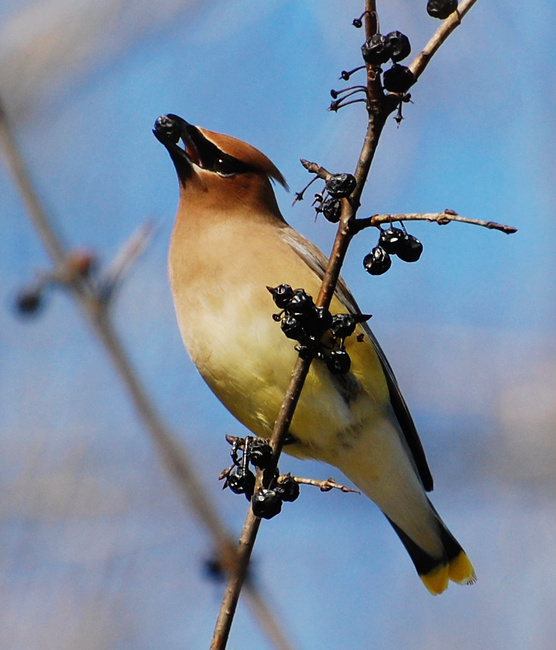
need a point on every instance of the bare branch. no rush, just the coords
(324, 486)
(125, 258)
(314, 168)
(441, 218)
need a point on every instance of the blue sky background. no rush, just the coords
(96, 549)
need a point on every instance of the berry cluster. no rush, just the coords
(302, 321)
(338, 187)
(395, 46)
(266, 502)
(393, 241)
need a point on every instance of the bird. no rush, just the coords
(229, 244)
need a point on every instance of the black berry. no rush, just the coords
(375, 50)
(260, 453)
(266, 503)
(357, 22)
(281, 295)
(441, 8)
(318, 321)
(338, 362)
(167, 128)
(341, 185)
(398, 79)
(343, 325)
(398, 46)
(410, 249)
(332, 209)
(242, 482)
(292, 326)
(300, 304)
(288, 489)
(28, 302)
(377, 261)
(390, 239)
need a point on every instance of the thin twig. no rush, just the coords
(441, 218)
(125, 259)
(324, 486)
(171, 451)
(340, 103)
(314, 168)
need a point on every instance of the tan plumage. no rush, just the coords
(229, 243)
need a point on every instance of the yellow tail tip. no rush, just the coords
(436, 581)
(459, 570)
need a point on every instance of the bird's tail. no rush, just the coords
(436, 572)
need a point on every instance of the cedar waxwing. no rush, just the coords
(229, 243)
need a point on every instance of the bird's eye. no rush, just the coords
(224, 168)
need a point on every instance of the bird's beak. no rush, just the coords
(170, 130)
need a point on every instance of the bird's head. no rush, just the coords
(216, 169)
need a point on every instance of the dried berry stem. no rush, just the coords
(441, 218)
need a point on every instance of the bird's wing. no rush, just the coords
(314, 258)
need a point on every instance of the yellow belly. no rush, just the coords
(244, 357)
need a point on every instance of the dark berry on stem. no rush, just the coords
(28, 302)
(266, 503)
(242, 482)
(410, 249)
(343, 325)
(281, 295)
(300, 304)
(332, 209)
(305, 352)
(398, 79)
(318, 321)
(375, 51)
(287, 489)
(292, 326)
(341, 185)
(357, 22)
(441, 8)
(338, 362)
(260, 453)
(377, 261)
(390, 239)
(398, 45)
